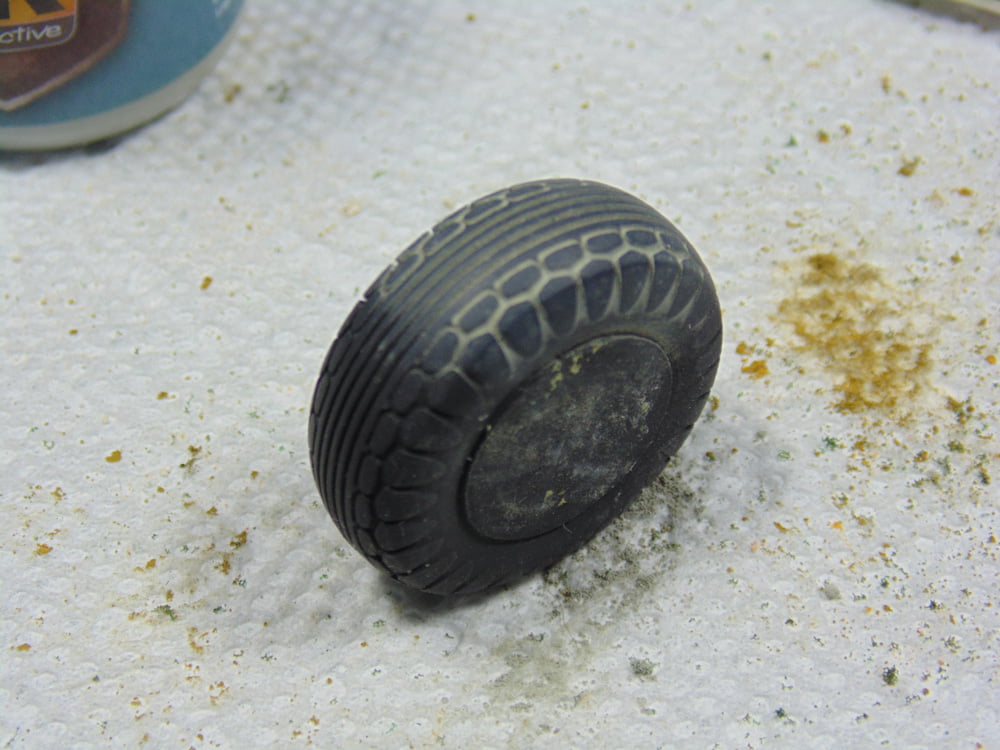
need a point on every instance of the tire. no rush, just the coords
(511, 383)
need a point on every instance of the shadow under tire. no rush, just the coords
(511, 383)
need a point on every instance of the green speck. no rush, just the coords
(830, 444)
(890, 675)
(166, 609)
(280, 90)
(643, 668)
(784, 456)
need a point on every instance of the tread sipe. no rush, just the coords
(511, 383)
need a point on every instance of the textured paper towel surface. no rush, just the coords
(818, 566)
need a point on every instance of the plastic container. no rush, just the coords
(77, 71)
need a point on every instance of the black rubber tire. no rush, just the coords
(511, 383)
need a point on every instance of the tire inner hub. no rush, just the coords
(565, 437)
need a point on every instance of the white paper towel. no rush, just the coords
(818, 567)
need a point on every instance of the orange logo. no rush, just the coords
(29, 24)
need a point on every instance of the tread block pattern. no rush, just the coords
(559, 301)
(521, 329)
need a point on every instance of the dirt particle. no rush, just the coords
(205, 283)
(909, 167)
(848, 317)
(193, 641)
(167, 611)
(113, 457)
(756, 369)
(830, 591)
(23, 647)
(42, 549)
(194, 453)
(644, 669)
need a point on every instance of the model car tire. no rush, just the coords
(511, 383)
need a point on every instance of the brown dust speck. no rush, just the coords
(113, 457)
(856, 324)
(193, 636)
(194, 453)
(909, 167)
(756, 369)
